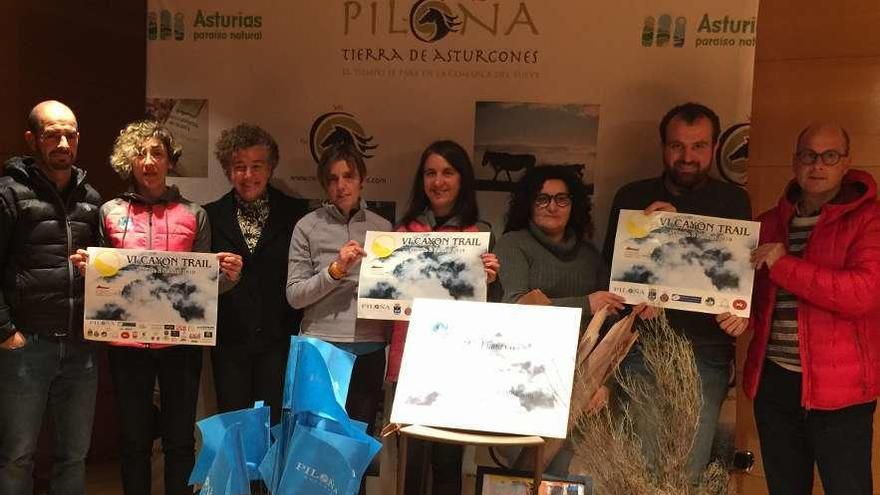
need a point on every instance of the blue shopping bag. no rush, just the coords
(227, 474)
(350, 440)
(255, 432)
(319, 463)
(317, 447)
(339, 364)
(312, 385)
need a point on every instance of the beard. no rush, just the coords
(687, 175)
(58, 160)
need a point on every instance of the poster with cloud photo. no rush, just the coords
(401, 266)
(151, 297)
(503, 368)
(687, 262)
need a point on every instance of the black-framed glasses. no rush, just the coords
(561, 199)
(828, 157)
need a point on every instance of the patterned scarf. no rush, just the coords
(252, 218)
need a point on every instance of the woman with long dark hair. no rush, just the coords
(443, 199)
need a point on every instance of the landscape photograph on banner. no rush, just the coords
(512, 137)
(151, 297)
(187, 119)
(489, 367)
(686, 262)
(401, 266)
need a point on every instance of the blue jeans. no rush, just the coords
(714, 380)
(62, 375)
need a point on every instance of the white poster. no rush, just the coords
(152, 297)
(681, 261)
(401, 266)
(503, 368)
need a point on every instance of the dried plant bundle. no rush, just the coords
(640, 444)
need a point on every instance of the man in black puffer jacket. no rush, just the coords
(47, 212)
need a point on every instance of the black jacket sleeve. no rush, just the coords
(611, 231)
(744, 207)
(7, 222)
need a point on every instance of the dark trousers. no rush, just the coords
(46, 373)
(793, 439)
(445, 462)
(365, 388)
(243, 375)
(134, 375)
(365, 392)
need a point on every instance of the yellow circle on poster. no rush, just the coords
(107, 263)
(383, 246)
(638, 226)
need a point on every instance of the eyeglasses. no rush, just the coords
(561, 199)
(810, 157)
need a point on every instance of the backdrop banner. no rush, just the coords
(517, 83)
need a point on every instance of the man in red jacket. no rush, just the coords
(813, 367)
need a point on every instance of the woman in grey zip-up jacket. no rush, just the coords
(322, 276)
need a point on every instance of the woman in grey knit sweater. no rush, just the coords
(546, 246)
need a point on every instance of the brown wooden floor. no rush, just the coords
(103, 479)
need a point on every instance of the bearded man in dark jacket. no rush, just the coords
(47, 212)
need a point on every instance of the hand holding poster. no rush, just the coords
(401, 266)
(152, 297)
(687, 262)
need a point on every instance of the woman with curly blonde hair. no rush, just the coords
(152, 215)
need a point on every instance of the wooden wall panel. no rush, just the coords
(789, 94)
(815, 60)
(809, 29)
(766, 185)
(91, 55)
(11, 129)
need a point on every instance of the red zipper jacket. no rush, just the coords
(837, 284)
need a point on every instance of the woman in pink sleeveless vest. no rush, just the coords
(152, 215)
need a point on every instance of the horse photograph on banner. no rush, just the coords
(511, 138)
